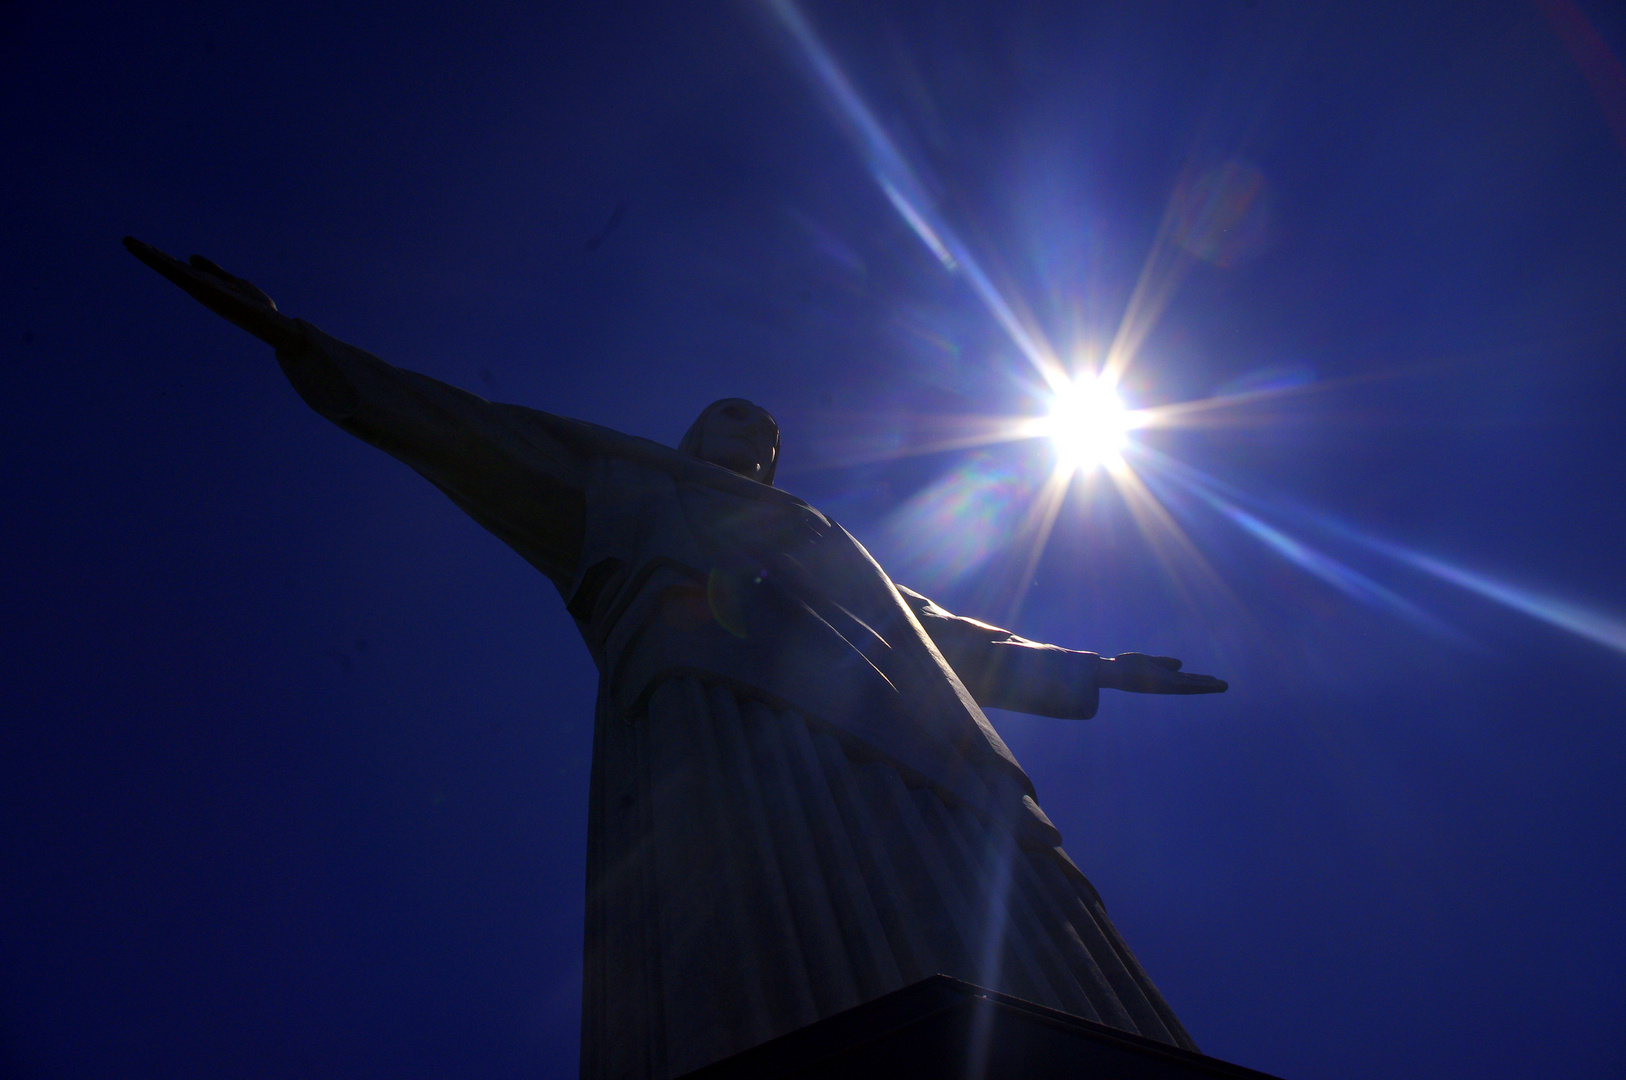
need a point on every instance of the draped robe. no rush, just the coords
(797, 804)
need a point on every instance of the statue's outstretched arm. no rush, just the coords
(492, 460)
(1005, 671)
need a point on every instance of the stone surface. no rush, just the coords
(946, 1029)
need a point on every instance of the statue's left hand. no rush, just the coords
(1142, 674)
(239, 302)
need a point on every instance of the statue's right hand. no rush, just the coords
(1142, 674)
(239, 302)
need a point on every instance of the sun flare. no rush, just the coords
(1088, 425)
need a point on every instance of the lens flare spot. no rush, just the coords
(1088, 424)
(1223, 215)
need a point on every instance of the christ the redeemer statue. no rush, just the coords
(797, 802)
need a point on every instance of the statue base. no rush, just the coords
(944, 1029)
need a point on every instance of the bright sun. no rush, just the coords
(1088, 425)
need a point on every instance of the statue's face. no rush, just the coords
(740, 437)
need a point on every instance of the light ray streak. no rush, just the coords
(1345, 579)
(1564, 614)
(1180, 413)
(917, 221)
(1173, 548)
(1038, 522)
(909, 196)
(914, 449)
(1165, 267)
(961, 433)
(1582, 621)
(1187, 413)
(993, 940)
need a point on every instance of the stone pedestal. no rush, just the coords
(944, 1029)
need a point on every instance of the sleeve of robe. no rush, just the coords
(499, 463)
(1004, 671)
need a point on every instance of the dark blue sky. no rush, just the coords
(295, 756)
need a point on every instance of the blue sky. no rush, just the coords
(296, 764)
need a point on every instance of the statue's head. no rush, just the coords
(737, 435)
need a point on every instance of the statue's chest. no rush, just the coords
(636, 516)
(646, 529)
(769, 597)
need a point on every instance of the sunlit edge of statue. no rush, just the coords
(797, 804)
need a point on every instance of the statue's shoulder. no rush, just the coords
(586, 439)
(596, 441)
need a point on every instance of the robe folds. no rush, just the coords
(796, 803)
